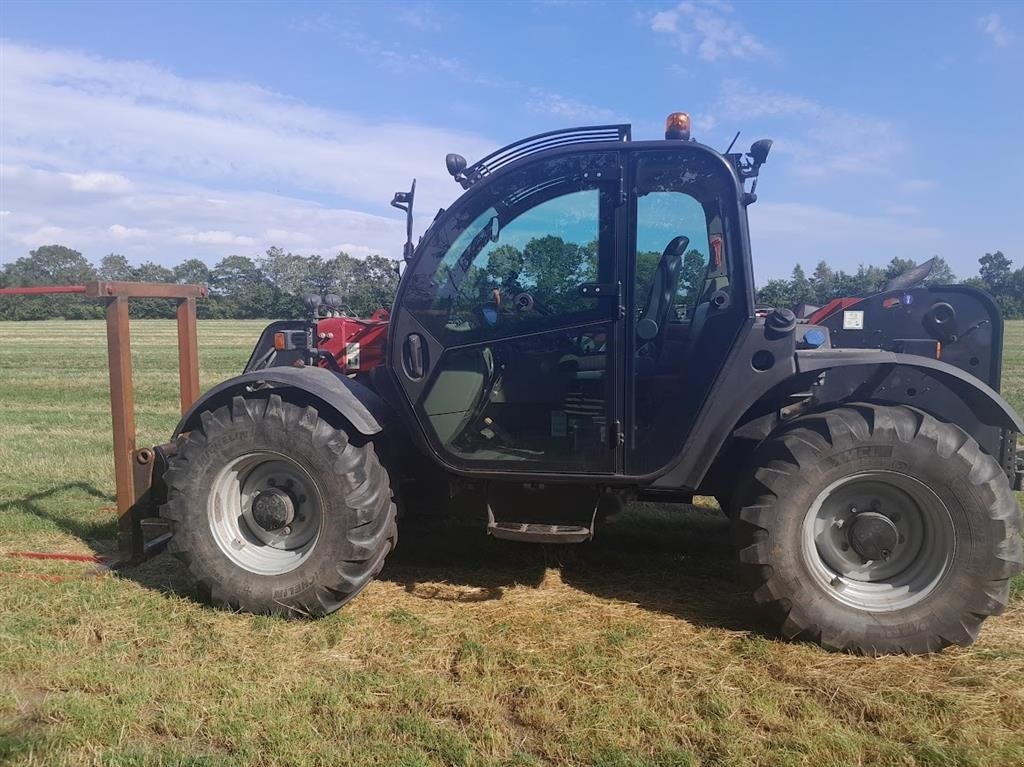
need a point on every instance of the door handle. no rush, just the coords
(605, 290)
(413, 356)
(600, 289)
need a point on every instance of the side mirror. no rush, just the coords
(313, 302)
(455, 163)
(333, 303)
(759, 151)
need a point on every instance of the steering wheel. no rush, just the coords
(523, 302)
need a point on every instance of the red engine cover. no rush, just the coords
(357, 345)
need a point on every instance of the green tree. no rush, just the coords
(823, 283)
(692, 275)
(115, 268)
(192, 272)
(996, 271)
(244, 291)
(51, 265)
(777, 294)
(801, 289)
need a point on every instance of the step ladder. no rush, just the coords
(537, 532)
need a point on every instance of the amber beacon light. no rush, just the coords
(677, 126)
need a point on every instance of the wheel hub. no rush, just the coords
(878, 540)
(273, 509)
(873, 536)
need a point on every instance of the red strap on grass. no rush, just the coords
(93, 558)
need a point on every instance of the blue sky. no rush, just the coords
(166, 131)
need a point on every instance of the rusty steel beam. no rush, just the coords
(122, 416)
(188, 353)
(40, 290)
(133, 469)
(144, 290)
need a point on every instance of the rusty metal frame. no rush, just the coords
(133, 467)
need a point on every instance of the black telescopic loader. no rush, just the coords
(579, 330)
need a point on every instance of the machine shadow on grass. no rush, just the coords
(93, 534)
(676, 560)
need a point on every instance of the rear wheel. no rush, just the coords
(275, 511)
(878, 529)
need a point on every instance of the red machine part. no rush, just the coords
(357, 345)
(833, 306)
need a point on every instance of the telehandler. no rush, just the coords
(579, 330)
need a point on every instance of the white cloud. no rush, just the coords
(201, 166)
(422, 16)
(992, 25)
(110, 183)
(405, 60)
(917, 185)
(819, 140)
(170, 221)
(784, 233)
(217, 237)
(709, 29)
(126, 232)
(566, 108)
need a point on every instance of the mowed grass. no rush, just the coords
(637, 649)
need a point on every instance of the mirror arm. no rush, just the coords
(404, 202)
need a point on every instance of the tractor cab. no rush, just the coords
(569, 313)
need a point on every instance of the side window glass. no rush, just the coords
(511, 271)
(662, 216)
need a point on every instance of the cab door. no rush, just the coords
(505, 327)
(689, 287)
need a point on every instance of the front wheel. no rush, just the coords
(275, 511)
(878, 529)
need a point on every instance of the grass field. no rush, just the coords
(636, 649)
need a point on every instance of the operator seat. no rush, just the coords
(651, 325)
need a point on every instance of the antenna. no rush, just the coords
(732, 142)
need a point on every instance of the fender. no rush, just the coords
(990, 406)
(794, 371)
(353, 401)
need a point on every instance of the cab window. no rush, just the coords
(506, 273)
(661, 216)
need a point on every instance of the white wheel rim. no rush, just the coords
(235, 529)
(921, 558)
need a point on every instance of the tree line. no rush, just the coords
(275, 284)
(272, 285)
(996, 275)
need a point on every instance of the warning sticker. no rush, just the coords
(352, 355)
(853, 320)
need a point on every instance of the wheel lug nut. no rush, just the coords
(286, 531)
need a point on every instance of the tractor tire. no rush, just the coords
(274, 511)
(874, 530)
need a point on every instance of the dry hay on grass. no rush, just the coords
(636, 649)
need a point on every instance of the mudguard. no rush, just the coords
(794, 372)
(357, 404)
(985, 401)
